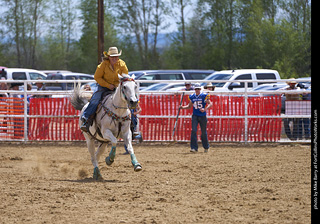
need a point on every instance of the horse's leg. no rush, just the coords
(91, 149)
(128, 142)
(108, 135)
(101, 149)
(112, 155)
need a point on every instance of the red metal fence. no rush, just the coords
(62, 125)
(54, 119)
(230, 128)
(11, 127)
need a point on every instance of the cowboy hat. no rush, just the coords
(292, 81)
(209, 85)
(112, 52)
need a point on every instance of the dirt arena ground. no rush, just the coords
(233, 183)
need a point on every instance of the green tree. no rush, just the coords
(56, 49)
(86, 61)
(252, 49)
(23, 17)
(222, 34)
(221, 19)
(110, 32)
(270, 9)
(179, 56)
(299, 16)
(181, 5)
(187, 52)
(144, 20)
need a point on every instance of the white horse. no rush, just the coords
(112, 121)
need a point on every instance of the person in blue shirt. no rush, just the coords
(201, 103)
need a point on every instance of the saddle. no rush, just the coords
(105, 97)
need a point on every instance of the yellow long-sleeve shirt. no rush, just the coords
(105, 75)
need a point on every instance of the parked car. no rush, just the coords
(241, 74)
(269, 87)
(304, 84)
(169, 75)
(23, 74)
(55, 71)
(66, 76)
(163, 87)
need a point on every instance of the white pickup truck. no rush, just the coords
(23, 74)
(242, 74)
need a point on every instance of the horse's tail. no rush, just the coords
(77, 101)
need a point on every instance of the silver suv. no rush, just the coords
(65, 76)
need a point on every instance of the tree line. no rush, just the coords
(221, 34)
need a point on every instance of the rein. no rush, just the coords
(116, 117)
(117, 107)
(112, 114)
(122, 81)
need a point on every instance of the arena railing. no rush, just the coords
(244, 116)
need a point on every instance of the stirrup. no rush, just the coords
(85, 126)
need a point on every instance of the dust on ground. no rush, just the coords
(52, 183)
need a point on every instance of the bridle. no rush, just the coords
(122, 92)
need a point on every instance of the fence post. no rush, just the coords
(246, 112)
(25, 113)
(138, 95)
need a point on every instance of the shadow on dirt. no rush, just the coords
(91, 180)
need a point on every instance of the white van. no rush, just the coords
(241, 74)
(23, 74)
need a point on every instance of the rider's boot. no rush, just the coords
(87, 122)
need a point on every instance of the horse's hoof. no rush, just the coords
(96, 174)
(108, 161)
(137, 167)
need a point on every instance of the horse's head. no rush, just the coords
(129, 89)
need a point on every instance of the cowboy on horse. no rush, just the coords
(116, 94)
(106, 76)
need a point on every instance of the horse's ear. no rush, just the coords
(133, 76)
(123, 76)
